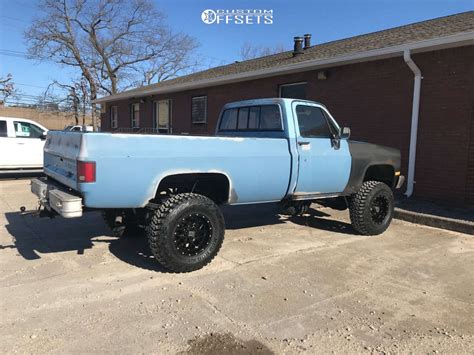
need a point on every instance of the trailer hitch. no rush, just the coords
(39, 212)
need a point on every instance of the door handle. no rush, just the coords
(20, 143)
(303, 143)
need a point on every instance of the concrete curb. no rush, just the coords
(435, 221)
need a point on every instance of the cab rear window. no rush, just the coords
(252, 118)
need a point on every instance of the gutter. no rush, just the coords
(457, 40)
(414, 120)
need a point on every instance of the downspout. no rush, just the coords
(414, 120)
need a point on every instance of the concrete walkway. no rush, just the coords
(278, 285)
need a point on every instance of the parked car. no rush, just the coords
(79, 128)
(21, 144)
(169, 187)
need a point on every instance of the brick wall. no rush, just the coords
(50, 120)
(374, 99)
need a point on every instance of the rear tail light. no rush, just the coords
(85, 171)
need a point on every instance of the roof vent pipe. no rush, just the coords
(307, 41)
(414, 120)
(298, 49)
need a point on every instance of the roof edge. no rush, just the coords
(456, 40)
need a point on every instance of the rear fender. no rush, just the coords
(189, 180)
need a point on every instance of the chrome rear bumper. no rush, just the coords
(54, 197)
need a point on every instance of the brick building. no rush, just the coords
(368, 82)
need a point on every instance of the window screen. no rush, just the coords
(199, 109)
(3, 129)
(312, 122)
(293, 91)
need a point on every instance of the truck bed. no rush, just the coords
(129, 167)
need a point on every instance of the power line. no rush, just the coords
(14, 19)
(18, 54)
(33, 86)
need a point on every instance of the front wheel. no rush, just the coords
(371, 208)
(186, 232)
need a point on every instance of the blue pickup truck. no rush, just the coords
(170, 187)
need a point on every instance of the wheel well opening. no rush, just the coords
(216, 186)
(382, 173)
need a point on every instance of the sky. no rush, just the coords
(326, 20)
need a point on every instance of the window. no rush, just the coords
(135, 115)
(243, 118)
(263, 118)
(254, 117)
(270, 118)
(199, 109)
(312, 122)
(293, 91)
(27, 130)
(113, 117)
(229, 119)
(332, 127)
(3, 129)
(163, 115)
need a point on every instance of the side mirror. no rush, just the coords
(43, 136)
(345, 133)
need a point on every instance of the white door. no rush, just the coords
(163, 116)
(7, 146)
(29, 143)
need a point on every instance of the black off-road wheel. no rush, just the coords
(122, 223)
(186, 232)
(371, 208)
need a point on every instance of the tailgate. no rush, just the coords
(61, 151)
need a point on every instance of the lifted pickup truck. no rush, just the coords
(169, 187)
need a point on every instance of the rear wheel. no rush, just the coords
(371, 208)
(186, 232)
(122, 223)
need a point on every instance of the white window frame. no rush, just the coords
(204, 120)
(135, 121)
(156, 119)
(114, 116)
(290, 84)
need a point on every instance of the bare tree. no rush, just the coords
(111, 42)
(7, 87)
(251, 51)
(72, 97)
(170, 63)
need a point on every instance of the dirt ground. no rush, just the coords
(278, 285)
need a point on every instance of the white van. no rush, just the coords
(21, 144)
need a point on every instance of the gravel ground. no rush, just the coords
(278, 285)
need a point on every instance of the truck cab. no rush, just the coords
(321, 160)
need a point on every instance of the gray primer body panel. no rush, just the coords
(365, 155)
